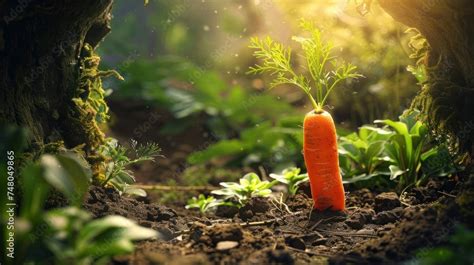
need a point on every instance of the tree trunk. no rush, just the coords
(41, 65)
(447, 98)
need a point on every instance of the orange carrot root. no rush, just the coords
(322, 161)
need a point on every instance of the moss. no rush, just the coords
(91, 109)
(442, 99)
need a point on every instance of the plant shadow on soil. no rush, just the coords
(376, 228)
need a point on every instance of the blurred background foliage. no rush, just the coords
(212, 35)
(189, 58)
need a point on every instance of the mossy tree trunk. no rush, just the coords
(41, 50)
(447, 98)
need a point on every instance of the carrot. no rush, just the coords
(322, 161)
(319, 141)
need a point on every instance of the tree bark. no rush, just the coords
(41, 50)
(447, 98)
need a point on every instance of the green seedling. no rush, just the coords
(292, 178)
(249, 186)
(116, 172)
(203, 203)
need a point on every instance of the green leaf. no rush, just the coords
(395, 172)
(130, 190)
(399, 127)
(409, 117)
(66, 174)
(34, 191)
(124, 176)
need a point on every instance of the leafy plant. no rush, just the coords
(401, 150)
(292, 178)
(119, 158)
(249, 186)
(318, 55)
(66, 235)
(74, 236)
(438, 161)
(405, 148)
(408, 150)
(203, 203)
(361, 154)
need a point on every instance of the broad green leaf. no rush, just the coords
(415, 130)
(67, 175)
(34, 191)
(111, 246)
(395, 172)
(410, 118)
(399, 127)
(125, 177)
(130, 190)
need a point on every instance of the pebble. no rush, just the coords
(226, 245)
(366, 232)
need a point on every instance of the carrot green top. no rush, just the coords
(325, 70)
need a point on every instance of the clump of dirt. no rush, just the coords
(386, 201)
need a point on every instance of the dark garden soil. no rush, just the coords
(375, 229)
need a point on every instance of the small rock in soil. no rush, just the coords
(386, 201)
(226, 245)
(165, 233)
(366, 232)
(295, 242)
(386, 217)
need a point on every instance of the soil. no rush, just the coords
(376, 228)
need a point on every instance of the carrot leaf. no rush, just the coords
(324, 71)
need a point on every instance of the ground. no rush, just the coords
(375, 228)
